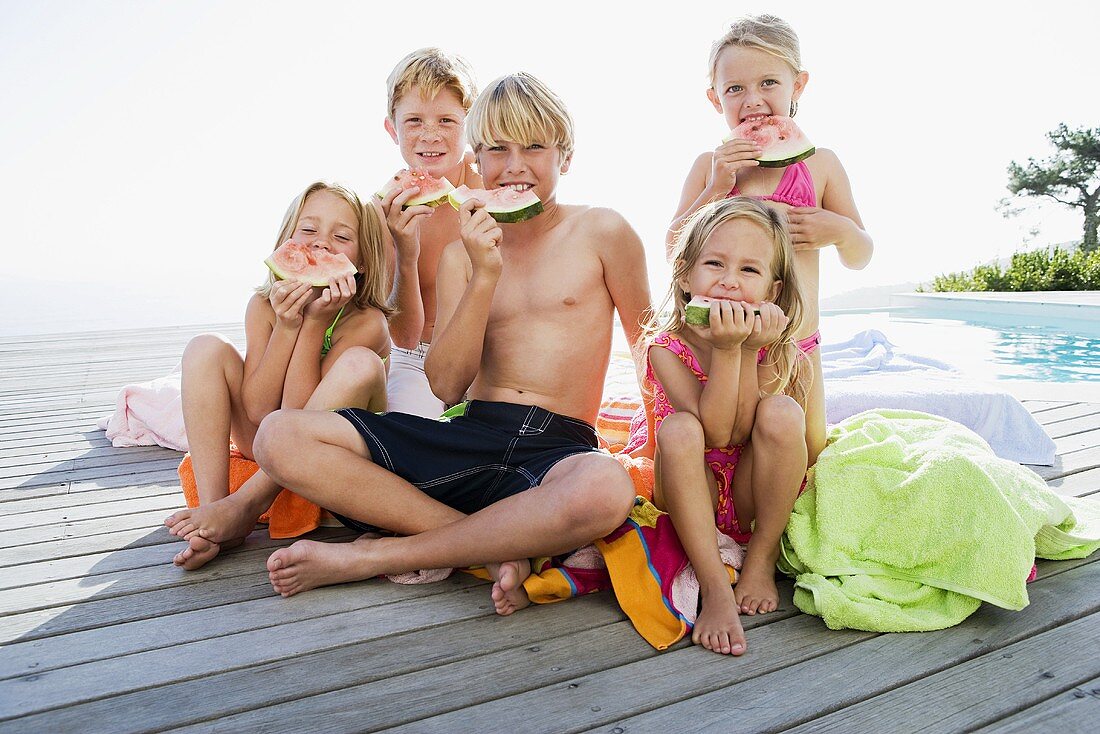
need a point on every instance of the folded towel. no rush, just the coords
(868, 372)
(148, 414)
(909, 521)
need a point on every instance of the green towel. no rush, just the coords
(909, 521)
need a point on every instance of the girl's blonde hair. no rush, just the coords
(370, 283)
(794, 374)
(764, 32)
(521, 109)
(431, 70)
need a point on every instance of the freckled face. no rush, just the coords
(750, 83)
(430, 133)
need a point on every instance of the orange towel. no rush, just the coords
(289, 515)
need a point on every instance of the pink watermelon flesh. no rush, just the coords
(433, 191)
(782, 141)
(503, 205)
(313, 265)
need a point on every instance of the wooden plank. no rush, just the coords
(1039, 406)
(1072, 426)
(89, 511)
(1077, 485)
(159, 666)
(72, 547)
(138, 479)
(78, 648)
(1077, 441)
(1071, 463)
(980, 691)
(1075, 711)
(98, 472)
(1068, 412)
(868, 671)
(17, 507)
(152, 520)
(27, 464)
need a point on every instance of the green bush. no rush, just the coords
(1039, 270)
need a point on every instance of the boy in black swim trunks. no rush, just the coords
(524, 327)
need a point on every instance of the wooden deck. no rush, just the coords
(99, 632)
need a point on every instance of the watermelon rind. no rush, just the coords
(318, 281)
(523, 206)
(697, 311)
(432, 198)
(777, 155)
(766, 162)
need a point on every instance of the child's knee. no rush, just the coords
(680, 432)
(276, 438)
(601, 495)
(779, 418)
(207, 348)
(359, 366)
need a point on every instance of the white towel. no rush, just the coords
(148, 414)
(868, 372)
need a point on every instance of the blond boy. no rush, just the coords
(524, 327)
(429, 93)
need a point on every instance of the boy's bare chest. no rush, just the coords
(549, 281)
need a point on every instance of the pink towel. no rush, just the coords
(148, 414)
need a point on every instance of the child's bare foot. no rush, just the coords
(217, 522)
(200, 551)
(718, 626)
(756, 590)
(508, 593)
(308, 564)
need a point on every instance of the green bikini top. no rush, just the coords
(326, 345)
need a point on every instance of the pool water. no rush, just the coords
(1001, 348)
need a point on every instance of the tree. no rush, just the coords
(1066, 176)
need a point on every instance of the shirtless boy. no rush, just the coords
(429, 93)
(524, 328)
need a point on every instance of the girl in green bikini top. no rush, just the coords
(307, 347)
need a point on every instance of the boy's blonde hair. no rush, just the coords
(764, 32)
(430, 70)
(521, 109)
(370, 283)
(793, 370)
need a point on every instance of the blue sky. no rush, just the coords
(150, 149)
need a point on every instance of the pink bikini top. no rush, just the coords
(796, 187)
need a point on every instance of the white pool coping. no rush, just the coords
(1057, 305)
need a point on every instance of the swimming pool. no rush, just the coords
(984, 345)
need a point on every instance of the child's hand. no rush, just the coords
(769, 326)
(482, 235)
(288, 299)
(812, 228)
(731, 322)
(728, 159)
(338, 294)
(404, 224)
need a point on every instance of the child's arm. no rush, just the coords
(624, 267)
(835, 222)
(403, 225)
(303, 374)
(465, 284)
(767, 328)
(271, 328)
(712, 177)
(715, 404)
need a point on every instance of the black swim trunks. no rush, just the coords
(468, 462)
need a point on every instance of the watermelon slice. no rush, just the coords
(782, 141)
(697, 311)
(295, 261)
(503, 205)
(433, 191)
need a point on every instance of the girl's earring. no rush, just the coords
(794, 107)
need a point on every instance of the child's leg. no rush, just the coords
(765, 487)
(213, 372)
(687, 488)
(356, 379)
